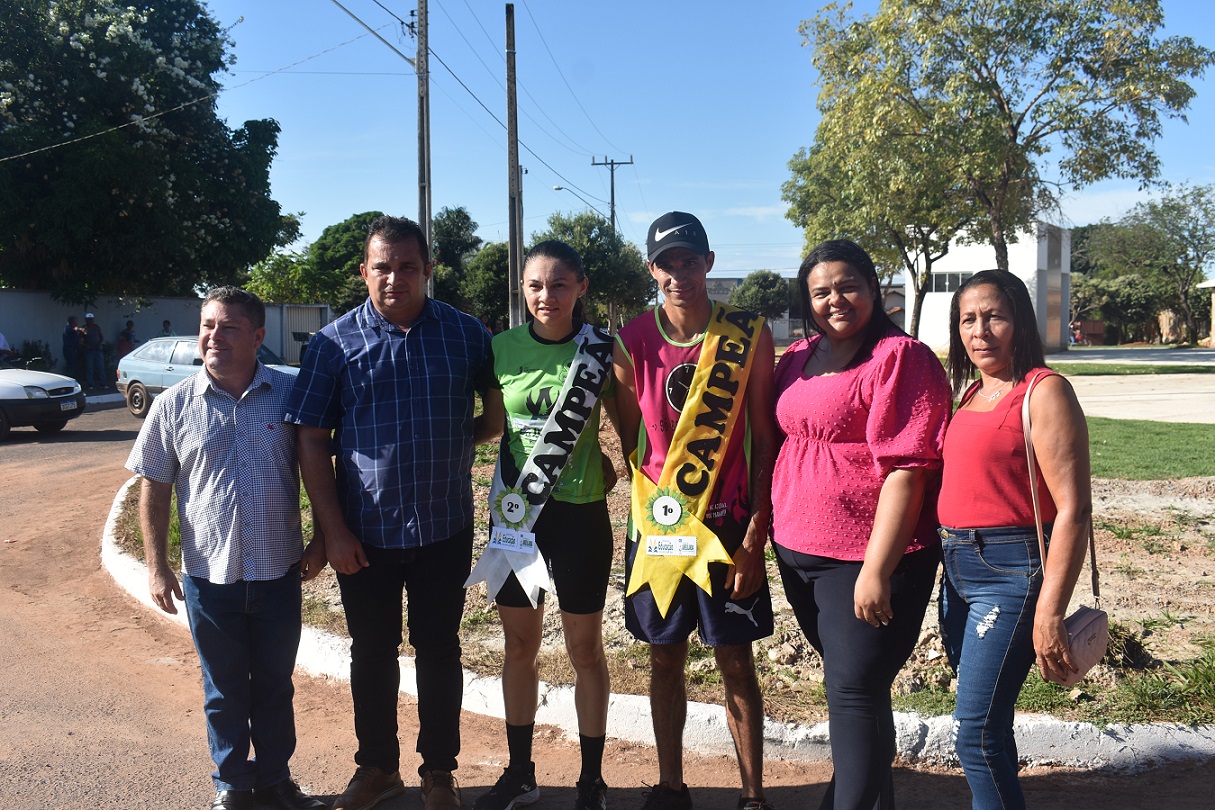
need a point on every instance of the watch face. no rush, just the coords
(678, 382)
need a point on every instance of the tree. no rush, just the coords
(116, 175)
(337, 254)
(992, 87)
(455, 238)
(484, 286)
(1170, 241)
(762, 292)
(891, 194)
(620, 284)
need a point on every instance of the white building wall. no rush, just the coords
(30, 315)
(1041, 258)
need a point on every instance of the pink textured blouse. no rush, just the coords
(844, 433)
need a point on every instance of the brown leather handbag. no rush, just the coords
(1088, 629)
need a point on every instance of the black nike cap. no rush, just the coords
(676, 229)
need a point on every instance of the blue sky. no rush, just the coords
(710, 99)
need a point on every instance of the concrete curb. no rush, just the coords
(1041, 740)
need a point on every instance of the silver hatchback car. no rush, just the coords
(165, 361)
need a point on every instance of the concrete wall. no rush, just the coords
(26, 315)
(1040, 257)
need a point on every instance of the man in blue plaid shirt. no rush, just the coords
(388, 389)
(218, 439)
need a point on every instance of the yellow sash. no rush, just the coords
(668, 516)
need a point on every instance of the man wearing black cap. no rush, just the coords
(695, 403)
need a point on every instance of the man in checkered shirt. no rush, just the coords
(388, 389)
(218, 439)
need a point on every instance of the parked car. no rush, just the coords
(37, 398)
(162, 362)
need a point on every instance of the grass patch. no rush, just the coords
(1070, 369)
(1139, 450)
(319, 613)
(1150, 536)
(930, 701)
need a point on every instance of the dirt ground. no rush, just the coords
(1156, 554)
(100, 700)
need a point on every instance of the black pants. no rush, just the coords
(860, 663)
(432, 580)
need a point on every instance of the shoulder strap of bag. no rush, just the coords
(1033, 489)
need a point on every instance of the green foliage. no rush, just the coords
(762, 292)
(445, 282)
(982, 91)
(36, 355)
(1139, 450)
(337, 254)
(142, 205)
(620, 284)
(484, 286)
(454, 238)
(1164, 246)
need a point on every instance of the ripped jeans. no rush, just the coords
(988, 595)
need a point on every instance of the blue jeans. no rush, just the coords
(247, 634)
(432, 578)
(94, 368)
(860, 663)
(988, 596)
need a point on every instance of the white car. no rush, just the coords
(166, 361)
(37, 398)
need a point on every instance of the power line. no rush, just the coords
(142, 118)
(566, 81)
(572, 145)
(373, 32)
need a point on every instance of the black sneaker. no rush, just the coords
(591, 796)
(661, 797)
(754, 804)
(511, 790)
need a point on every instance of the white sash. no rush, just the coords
(515, 509)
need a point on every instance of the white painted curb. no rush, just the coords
(1041, 740)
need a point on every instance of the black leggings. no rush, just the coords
(860, 663)
(575, 540)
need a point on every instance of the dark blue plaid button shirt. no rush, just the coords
(401, 408)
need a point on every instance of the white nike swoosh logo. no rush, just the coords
(660, 235)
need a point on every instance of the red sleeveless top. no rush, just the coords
(985, 480)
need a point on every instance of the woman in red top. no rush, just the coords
(862, 408)
(999, 609)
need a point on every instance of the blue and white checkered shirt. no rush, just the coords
(401, 408)
(233, 465)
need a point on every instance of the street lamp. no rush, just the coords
(584, 199)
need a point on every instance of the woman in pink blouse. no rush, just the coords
(863, 408)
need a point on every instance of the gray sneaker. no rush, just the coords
(513, 789)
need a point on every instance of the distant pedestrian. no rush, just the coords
(166, 329)
(73, 337)
(127, 340)
(217, 439)
(94, 358)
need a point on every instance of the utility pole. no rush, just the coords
(514, 179)
(612, 164)
(422, 67)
